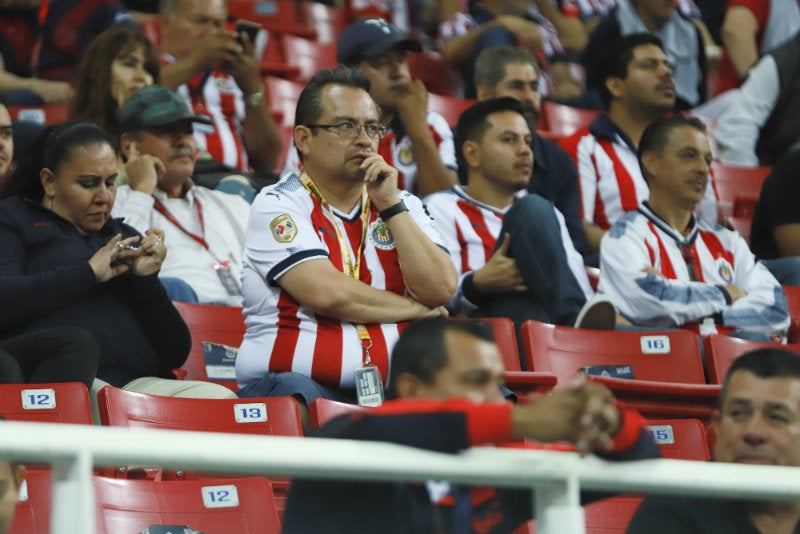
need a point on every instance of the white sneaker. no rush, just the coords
(598, 313)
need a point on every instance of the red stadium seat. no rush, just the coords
(721, 351)
(211, 506)
(610, 516)
(307, 56)
(680, 439)
(276, 16)
(322, 410)
(449, 107)
(519, 381)
(741, 225)
(326, 20)
(437, 75)
(668, 379)
(66, 402)
(739, 185)
(560, 120)
(793, 302)
(217, 325)
(32, 514)
(283, 95)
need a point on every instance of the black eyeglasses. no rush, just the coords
(352, 130)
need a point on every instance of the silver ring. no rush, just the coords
(159, 242)
(119, 245)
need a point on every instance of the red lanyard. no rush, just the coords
(162, 209)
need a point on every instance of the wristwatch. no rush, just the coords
(391, 211)
(254, 100)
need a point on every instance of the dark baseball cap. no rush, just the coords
(155, 105)
(370, 38)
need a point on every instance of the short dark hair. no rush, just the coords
(50, 149)
(474, 121)
(763, 363)
(490, 65)
(421, 349)
(309, 103)
(613, 63)
(656, 135)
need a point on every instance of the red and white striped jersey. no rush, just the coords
(216, 94)
(470, 230)
(288, 226)
(610, 181)
(693, 268)
(397, 151)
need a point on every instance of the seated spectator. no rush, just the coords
(118, 63)
(337, 259)
(757, 422)
(775, 230)
(41, 43)
(63, 354)
(511, 249)
(65, 262)
(466, 33)
(445, 380)
(637, 88)
(683, 44)
(750, 28)
(511, 71)
(205, 228)
(663, 267)
(419, 143)
(759, 125)
(216, 72)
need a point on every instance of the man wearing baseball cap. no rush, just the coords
(419, 143)
(205, 228)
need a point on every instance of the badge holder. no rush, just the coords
(369, 385)
(229, 282)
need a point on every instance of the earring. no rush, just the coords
(50, 203)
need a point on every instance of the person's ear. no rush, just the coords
(302, 139)
(125, 142)
(650, 163)
(48, 180)
(408, 386)
(483, 92)
(471, 153)
(615, 86)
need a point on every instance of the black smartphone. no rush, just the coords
(248, 27)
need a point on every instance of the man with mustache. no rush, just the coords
(757, 422)
(636, 85)
(205, 228)
(663, 267)
(337, 258)
(511, 71)
(511, 248)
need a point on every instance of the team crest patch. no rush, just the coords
(381, 236)
(405, 155)
(283, 228)
(224, 85)
(725, 271)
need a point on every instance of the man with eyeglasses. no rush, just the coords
(419, 142)
(204, 228)
(663, 267)
(337, 258)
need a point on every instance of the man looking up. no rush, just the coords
(337, 258)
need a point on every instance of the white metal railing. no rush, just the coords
(557, 477)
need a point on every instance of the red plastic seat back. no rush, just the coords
(212, 506)
(65, 402)
(721, 351)
(680, 439)
(32, 514)
(739, 185)
(561, 120)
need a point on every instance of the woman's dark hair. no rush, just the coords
(93, 101)
(50, 150)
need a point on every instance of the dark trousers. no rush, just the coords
(61, 354)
